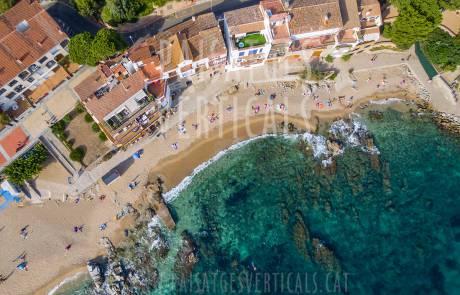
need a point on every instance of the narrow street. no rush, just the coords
(73, 23)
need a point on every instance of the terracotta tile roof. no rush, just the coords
(101, 107)
(152, 70)
(119, 69)
(40, 34)
(171, 55)
(281, 34)
(198, 38)
(140, 53)
(106, 70)
(2, 160)
(208, 44)
(88, 86)
(275, 6)
(157, 89)
(350, 14)
(369, 8)
(244, 16)
(314, 15)
(14, 141)
(23, 10)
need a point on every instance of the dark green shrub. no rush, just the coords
(79, 108)
(77, 154)
(88, 118)
(95, 127)
(102, 136)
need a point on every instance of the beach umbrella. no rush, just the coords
(22, 266)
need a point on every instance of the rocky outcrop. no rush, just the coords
(96, 274)
(186, 257)
(115, 276)
(334, 146)
(160, 207)
(158, 241)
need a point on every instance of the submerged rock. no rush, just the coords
(158, 241)
(301, 235)
(186, 257)
(325, 256)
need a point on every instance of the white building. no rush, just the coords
(248, 37)
(30, 41)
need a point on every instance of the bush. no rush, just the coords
(102, 136)
(95, 127)
(346, 57)
(67, 118)
(77, 154)
(27, 166)
(88, 118)
(329, 58)
(79, 108)
(58, 129)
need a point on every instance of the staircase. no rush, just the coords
(58, 151)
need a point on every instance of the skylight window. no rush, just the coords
(22, 26)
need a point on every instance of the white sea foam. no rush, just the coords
(173, 193)
(390, 100)
(351, 133)
(66, 281)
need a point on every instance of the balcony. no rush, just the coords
(137, 125)
(310, 43)
(250, 40)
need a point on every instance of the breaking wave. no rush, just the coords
(348, 134)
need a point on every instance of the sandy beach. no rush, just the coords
(215, 125)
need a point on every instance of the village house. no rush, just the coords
(190, 47)
(279, 25)
(126, 106)
(31, 44)
(370, 16)
(315, 24)
(248, 36)
(334, 27)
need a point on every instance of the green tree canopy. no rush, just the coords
(88, 7)
(6, 4)
(118, 11)
(416, 20)
(79, 47)
(105, 44)
(450, 4)
(27, 166)
(443, 49)
(84, 49)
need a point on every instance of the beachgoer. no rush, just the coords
(67, 248)
(103, 226)
(75, 229)
(80, 228)
(102, 197)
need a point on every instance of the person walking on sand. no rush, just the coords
(67, 248)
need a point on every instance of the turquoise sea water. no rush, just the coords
(270, 219)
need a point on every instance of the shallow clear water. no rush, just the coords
(270, 214)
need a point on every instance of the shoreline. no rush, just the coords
(195, 148)
(223, 136)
